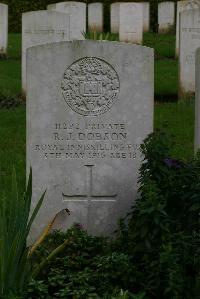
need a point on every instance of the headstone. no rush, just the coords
(197, 102)
(189, 42)
(51, 6)
(114, 17)
(95, 17)
(131, 22)
(166, 16)
(146, 16)
(77, 13)
(40, 27)
(88, 111)
(182, 6)
(3, 29)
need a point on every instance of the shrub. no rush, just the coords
(162, 232)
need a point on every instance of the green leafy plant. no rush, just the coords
(15, 224)
(160, 231)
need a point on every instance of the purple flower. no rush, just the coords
(173, 163)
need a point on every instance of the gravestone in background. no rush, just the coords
(114, 17)
(197, 102)
(77, 13)
(166, 16)
(89, 107)
(131, 22)
(3, 29)
(40, 27)
(182, 6)
(189, 42)
(146, 16)
(95, 17)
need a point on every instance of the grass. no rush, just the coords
(166, 67)
(163, 44)
(10, 69)
(178, 116)
(13, 145)
(166, 80)
(179, 119)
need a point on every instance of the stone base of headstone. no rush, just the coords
(184, 95)
(95, 29)
(166, 30)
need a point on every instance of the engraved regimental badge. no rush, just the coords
(90, 86)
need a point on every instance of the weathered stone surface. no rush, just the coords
(114, 17)
(77, 13)
(146, 16)
(89, 107)
(189, 42)
(131, 22)
(3, 29)
(95, 17)
(166, 16)
(182, 6)
(197, 102)
(40, 27)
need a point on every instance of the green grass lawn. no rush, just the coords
(12, 145)
(10, 69)
(163, 44)
(178, 116)
(166, 67)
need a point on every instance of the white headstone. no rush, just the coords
(197, 102)
(89, 107)
(189, 42)
(131, 22)
(95, 17)
(77, 13)
(114, 17)
(146, 16)
(166, 16)
(182, 6)
(3, 29)
(51, 6)
(40, 27)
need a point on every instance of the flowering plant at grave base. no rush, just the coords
(173, 163)
(161, 234)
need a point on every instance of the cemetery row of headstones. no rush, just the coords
(88, 111)
(123, 17)
(89, 107)
(67, 21)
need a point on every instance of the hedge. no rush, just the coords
(17, 7)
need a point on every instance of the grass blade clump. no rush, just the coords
(15, 223)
